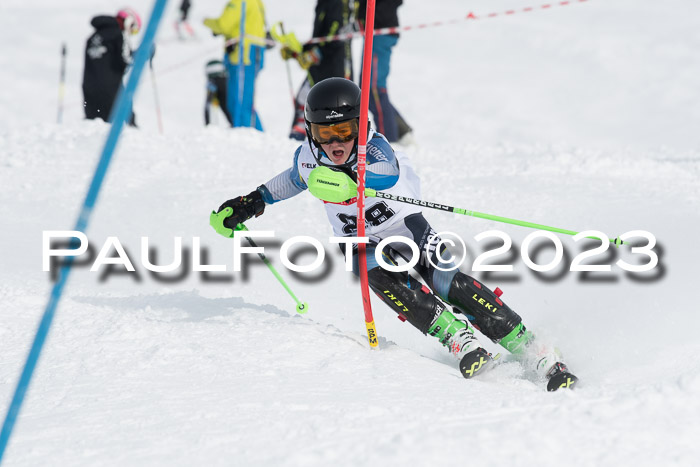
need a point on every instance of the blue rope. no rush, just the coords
(123, 111)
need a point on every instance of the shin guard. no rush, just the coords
(485, 310)
(418, 305)
(410, 299)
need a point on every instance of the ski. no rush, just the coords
(479, 361)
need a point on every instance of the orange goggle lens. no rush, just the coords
(342, 132)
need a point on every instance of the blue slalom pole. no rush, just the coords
(119, 117)
(238, 116)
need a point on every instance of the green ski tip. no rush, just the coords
(302, 308)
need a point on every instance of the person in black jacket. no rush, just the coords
(324, 60)
(386, 118)
(107, 56)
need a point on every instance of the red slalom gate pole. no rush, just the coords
(361, 161)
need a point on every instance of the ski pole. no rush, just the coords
(216, 220)
(155, 96)
(289, 75)
(370, 193)
(336, 187)
(347, 16)
(290, 42)
(62, 83)
(301, 307)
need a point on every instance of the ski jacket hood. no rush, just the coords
(104, 22)
(229, 25)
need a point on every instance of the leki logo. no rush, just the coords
(396, 301)
(334, 114)
(484, 303)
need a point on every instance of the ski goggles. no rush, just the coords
(342, 132)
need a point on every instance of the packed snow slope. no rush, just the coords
(582, 116)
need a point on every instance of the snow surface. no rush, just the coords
(581, 117)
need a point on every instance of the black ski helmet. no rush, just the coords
(330, 101)
(215, 69)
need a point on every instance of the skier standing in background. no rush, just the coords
(387, 119)
(324, 60)
(332, 126)
(216, 91)
(108, 54)
(182, 22)
(241, 107)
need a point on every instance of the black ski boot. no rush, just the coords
(460, 340)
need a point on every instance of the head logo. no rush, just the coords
(334, 114)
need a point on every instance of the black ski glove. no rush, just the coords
(244, 207)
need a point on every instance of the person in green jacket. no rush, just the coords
(241, 80)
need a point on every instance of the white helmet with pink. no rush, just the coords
(129, 21)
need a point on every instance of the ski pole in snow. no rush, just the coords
(120, 114)
(336, 187)
(62, 83)
(155, 96)
(216, 220)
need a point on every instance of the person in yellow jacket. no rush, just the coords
(241, 91)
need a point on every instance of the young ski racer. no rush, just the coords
(332, 124)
